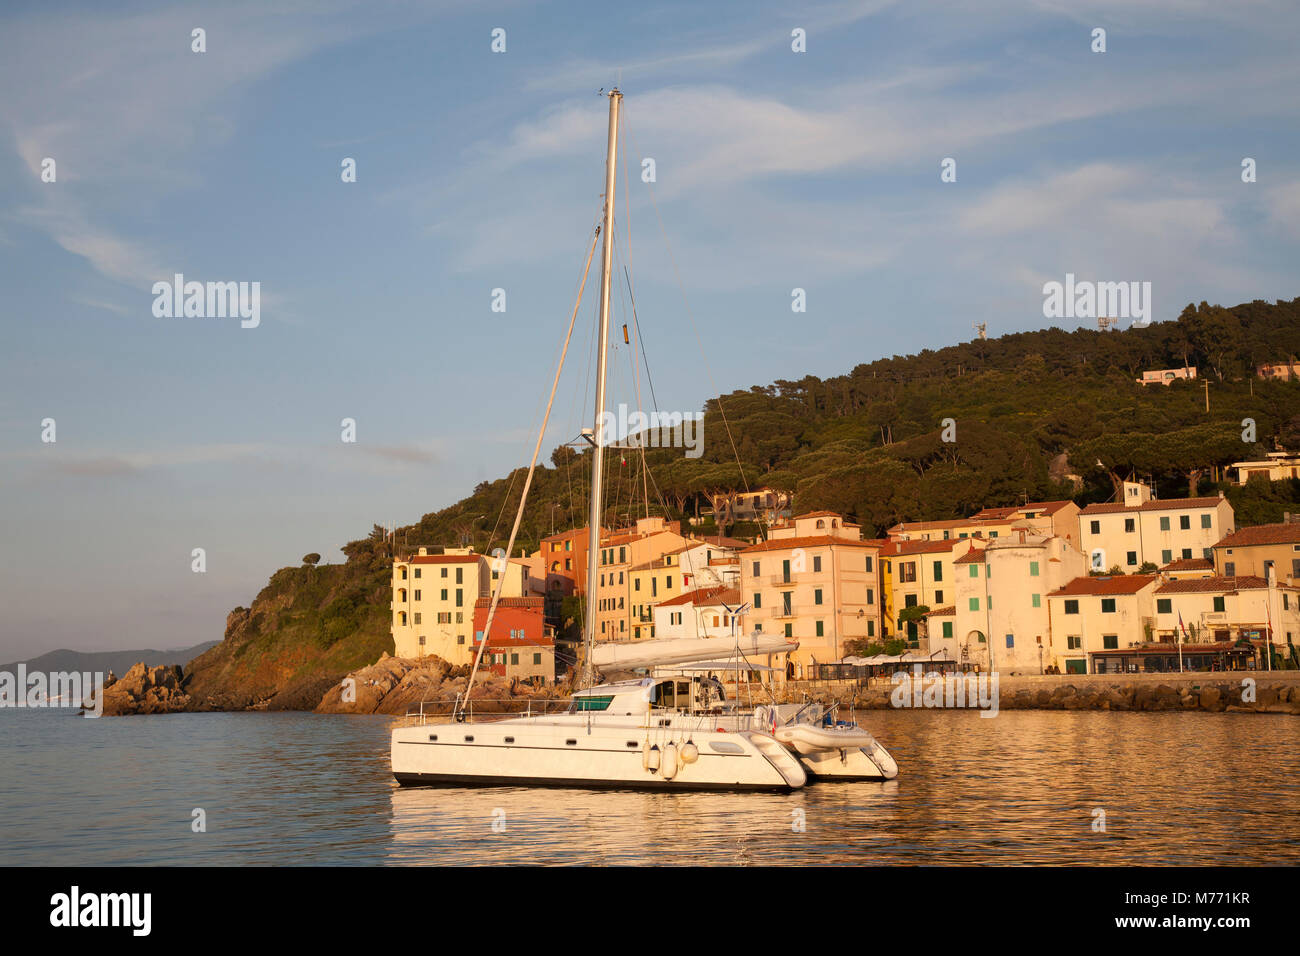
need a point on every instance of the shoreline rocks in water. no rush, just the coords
(394, 685)
(143, 690)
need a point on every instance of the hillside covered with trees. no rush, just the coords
(1026, 410)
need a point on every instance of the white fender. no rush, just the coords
(669, 764)
(652, 762)
(690, 752)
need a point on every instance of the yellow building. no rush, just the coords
(918, 573)
(1256, 551)
(1140, 530)
(433, 600)
(647, 541)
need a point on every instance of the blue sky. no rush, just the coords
(477, 170)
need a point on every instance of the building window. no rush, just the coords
(938, 597)
(1184, 522)
(871, 629)
(817, 596)
(1218, 604)
(1164, 523)
(1131, 557)
(1110, 642)
(1072, 607)
(537, 658)
(907, 572)
(1206, 521)
(442, 594)
(819, 629)
(789, 630)
(416, 615)
(947, 628)
(1130, 525)
(514, 658)
(974, 604)
(817, 562)
(460, 575)
(1033, 569)
(871, 596)
(417, 594)
(1230, 569)
(868, 564)
(403, 572)
(1073, 642)
(443, 573)
(974, 570)
(755, 569)
(1187, 554)
(1011, 640)
(1166, 556)
(1164, 606)
(1037, 600)
(421, 637)
(1095, 527)
(758, 600)
(1107, 605)
(460, 602)
(460, 638)
(938, 571)
(417, 572)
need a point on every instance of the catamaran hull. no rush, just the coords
(522, 753)
(850, 764)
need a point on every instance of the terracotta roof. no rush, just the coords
(902, 549)
(446, 559)
(819, 514)
(1044, 507)
(809, 541)
(722, 541)
(1189, 564)
(1169, 504)
(526, 602)
(934, 525)
(1247, 582)
(973, 556)
(1262, 534)
(948, 610)
(704, 596)
(1118, 584)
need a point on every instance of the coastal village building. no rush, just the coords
(433, 600)
(814, 580)
(764, 505)
(917, 574)
(1222, 609)
(1286, 371)
(1167, 376)
(620, 551)
(1000, 617)
(564, 556)
(519, 645)
(1257, 551)
(1093, 615)
(685, 569)
(1276, 466)
(1039, 517)
(1140, 530)
(707, 612)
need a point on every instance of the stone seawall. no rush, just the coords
(1276, 692)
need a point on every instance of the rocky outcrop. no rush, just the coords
(144, 690)
(395, 686)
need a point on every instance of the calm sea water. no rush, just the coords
(307, 789)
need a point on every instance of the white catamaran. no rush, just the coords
(675, 730)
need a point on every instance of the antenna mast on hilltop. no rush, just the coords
(982, 328)
(1104, 323)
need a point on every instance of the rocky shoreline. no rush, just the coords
(392, 685)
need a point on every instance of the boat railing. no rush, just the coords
(483, 709)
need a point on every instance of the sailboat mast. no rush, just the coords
(598, 435)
